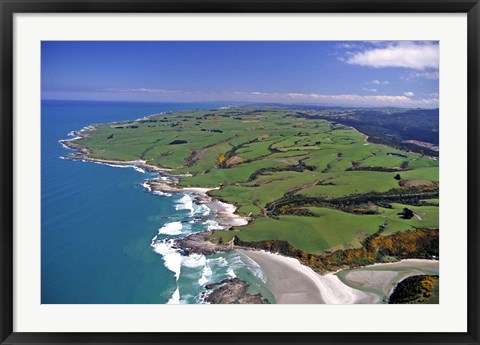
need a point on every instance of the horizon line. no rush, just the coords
(238, 102)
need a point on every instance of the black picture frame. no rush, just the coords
(10, 7)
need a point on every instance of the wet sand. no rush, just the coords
(293, 283)
(382, 278)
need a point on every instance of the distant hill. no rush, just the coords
(390, 126)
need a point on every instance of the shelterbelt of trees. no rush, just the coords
(419, 243)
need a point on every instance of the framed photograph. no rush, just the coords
(239, 172)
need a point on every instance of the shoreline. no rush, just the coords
(225, 215)
(381, 278)
(224, 212)
(82, 153)
(294, 283)
(288, 280)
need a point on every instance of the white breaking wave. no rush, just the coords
(206, 275)
(140, 170)
(231, 273)
(146, 186)
(112, 165)
(194, 260)
(255, 269)
(175, 299)
(87, 128)
(171, 256)
(71, 139)
(203, 210)
(240, 261)
(185, 203)
(161, 193)
(220, 261)
(173, 228)
(212, 225)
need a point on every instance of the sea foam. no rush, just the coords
(140, 170)
(185, 203)
(171, 256)
(175, 299)
(173, 228)
(202, 210)
(194, 260)
(212, 225)
(240, 261)
(206, 275)
(146, 186)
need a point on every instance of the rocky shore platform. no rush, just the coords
(198, 243)
(232, 291)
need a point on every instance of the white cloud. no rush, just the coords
(378, 82)
(137, 90)
(404, 54)
(166, 95)
(344, 99)
(370, 90)
(433, 75)
(347, 45)
(409, 94)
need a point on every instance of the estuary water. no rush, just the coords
(107, 239)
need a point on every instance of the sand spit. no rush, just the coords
(424, 264)
(293, 283)
(382, 278)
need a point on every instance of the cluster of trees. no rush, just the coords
(178, 142)
(419, 243)
(297, 211)
(300, 167)
(382, 169)
(148, 120)
(211, 130)
(129, 126)
(221, 161)
(358, 202)
(407, 213)
(416, 289)
(396, 154)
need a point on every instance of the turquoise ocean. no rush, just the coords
(105, 238)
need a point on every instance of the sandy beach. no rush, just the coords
(293, 283)
(225, 213)
(382, 278)
(288, 280)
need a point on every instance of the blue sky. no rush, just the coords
(376, 73)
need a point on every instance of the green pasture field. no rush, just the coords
(332, 229)
(260, 154)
